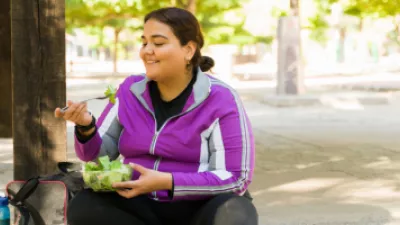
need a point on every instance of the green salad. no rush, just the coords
(100, 176)
(110, 92)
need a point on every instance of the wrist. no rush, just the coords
(87, 120)
(166, 179)
(88, 127)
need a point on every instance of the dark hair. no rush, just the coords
(186, 28)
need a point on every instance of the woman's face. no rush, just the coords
(161, 52)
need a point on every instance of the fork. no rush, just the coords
(86, 100)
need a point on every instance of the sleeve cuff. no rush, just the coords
(171, 192)
(83, 139)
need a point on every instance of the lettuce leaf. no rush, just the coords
(111, 92)
(104, 163)
(92, 166)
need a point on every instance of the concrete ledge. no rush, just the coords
(329, 99)
(97, 75)
(291, 101)
(372, 86)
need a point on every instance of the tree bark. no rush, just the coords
(115, 57)
(5, 71)
(38, 64)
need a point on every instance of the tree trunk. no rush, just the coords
(38, 64)
(361, 24)
(397, 29)
(102, 54)
(294, 7)
(126, 51)
(341, 56)
(191, 6)
(115, 57)
(5, 71)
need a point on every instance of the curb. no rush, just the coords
(98, 75)
(370, 87)
(327, 99)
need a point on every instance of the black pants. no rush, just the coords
(91, 208)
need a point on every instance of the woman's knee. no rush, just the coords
(236, 210)
(229, 209)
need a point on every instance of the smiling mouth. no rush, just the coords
(152, 62)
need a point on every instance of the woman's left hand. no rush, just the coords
(149, 181)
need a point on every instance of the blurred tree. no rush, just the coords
(295, 7)
(221, 21)
(102, 42)
(371, 8)
(189, 5)
(278, 12)
(318, 27)
(374, 8)
(117, 14)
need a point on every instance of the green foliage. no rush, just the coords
(118, 14)
(222, 21)
(219, 20)
(278, 12)
(372, 8)
(264, 39)
(243, 37)
(318, 27)
(77, 14)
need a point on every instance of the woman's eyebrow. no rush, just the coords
(155, 36)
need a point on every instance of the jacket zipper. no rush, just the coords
(155, 137)
(156, 164)
(157, 133)
(152, 149)
(153, 144)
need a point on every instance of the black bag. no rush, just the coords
(44, 200)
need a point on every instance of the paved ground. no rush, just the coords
(328, 166)
(337, 164)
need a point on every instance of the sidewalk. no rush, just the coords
(264, 70)
(323, 165)
(6, 162)
(316, 165)
(379, 81)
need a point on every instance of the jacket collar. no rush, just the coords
(201, 90)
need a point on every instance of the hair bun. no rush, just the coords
(206, 63)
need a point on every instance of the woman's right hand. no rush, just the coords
(76, 113)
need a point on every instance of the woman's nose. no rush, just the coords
(148, 49)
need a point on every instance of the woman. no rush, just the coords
(185, 134)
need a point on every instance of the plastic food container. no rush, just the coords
(101, 178)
